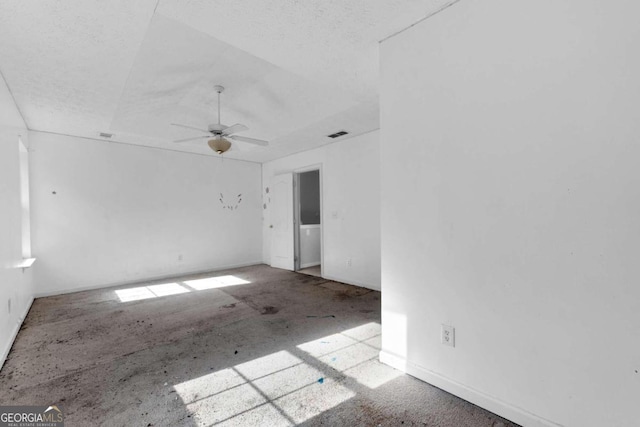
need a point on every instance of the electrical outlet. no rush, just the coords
(180, 257)
(349, 262)
(448, 335)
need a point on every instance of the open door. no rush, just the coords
(282, 231)
(308, 224)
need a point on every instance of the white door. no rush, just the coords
(282, 222)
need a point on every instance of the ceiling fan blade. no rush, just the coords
(249, 140)
(234, 129)
(192, 139)
(189, 127)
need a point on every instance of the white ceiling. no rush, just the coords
(294, 71)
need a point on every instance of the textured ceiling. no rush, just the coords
(294, 71)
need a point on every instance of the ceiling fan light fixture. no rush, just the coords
(218, 132)
(219, 145)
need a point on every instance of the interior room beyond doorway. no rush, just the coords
(309, 227)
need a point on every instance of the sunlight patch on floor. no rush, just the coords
(209, 385)
(282, 388)
(354, 352)
(270, 388)
(314, 399)
(327, 344)
(262, 366)
(372, 373)
(152, 291)
(215, 282)
(134, 294)
(166, 289)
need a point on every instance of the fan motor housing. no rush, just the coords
(216, 128)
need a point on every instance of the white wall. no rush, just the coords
(15, 283)
(511, 206)
(122, 213)
(350, 181)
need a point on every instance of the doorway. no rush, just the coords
(308, 220)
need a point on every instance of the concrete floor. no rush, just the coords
(282, 349)
(312, 271)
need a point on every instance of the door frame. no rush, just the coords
(296, 214)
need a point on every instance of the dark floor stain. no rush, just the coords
(268, 309)
(229, 305)
(372, 414)
(341, 296)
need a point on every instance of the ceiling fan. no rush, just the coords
(220, 134)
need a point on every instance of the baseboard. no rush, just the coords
(143, 280)
(350, 282)
(14, 334)
(490, 403)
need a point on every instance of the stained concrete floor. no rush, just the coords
(249, 346)
(312, 271)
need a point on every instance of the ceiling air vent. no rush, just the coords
(338, 134)
(106, 135)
